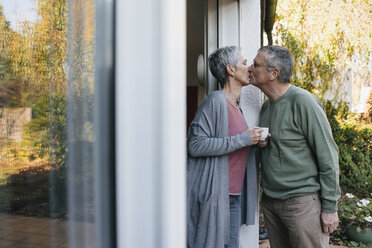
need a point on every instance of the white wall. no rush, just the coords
(241, 25)
(228, 22)
(250, 26)
(150, 123)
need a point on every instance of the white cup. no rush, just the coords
(264, 133)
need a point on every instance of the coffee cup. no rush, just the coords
(264, 133)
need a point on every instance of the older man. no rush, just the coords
(300, 161)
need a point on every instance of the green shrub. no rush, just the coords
(46, 133)
(353, 137)
(353, 210)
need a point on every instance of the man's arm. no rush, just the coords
(317, 131)
(315, 126)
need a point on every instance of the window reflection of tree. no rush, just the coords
(48, 65)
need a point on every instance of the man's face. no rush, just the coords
(258, 73)
(241, 70)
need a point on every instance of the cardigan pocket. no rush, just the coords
(204, 197)
(206, 212)
(205, 224)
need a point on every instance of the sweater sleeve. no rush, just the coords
(312, 119)
(210, 119)
(201, 145)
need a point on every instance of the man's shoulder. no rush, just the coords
(303, 97)
(265, 104)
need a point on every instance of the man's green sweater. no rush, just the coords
(301, 156)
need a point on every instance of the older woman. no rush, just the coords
(221, 170)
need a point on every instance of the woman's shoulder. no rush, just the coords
(213, 105)
(213, 102)
(216, 96)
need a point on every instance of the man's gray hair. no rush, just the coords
(220, 58)
(279, 58)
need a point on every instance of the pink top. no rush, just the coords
(238, 158)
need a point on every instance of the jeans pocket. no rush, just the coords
(302, 204)
(306, 199)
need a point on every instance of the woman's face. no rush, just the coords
(241, 70)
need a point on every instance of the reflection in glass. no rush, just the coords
(46, 124)
(80, 66)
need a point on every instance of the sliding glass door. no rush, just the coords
(56, 120)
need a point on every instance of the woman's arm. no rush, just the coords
(200, 145)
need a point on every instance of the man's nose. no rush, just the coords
(250, 68)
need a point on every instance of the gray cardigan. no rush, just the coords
(208, 215)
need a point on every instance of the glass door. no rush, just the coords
(56, 105)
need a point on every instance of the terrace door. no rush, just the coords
(210, 24)
(56, 122)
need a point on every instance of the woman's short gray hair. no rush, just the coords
(279, 58)
(220, 58)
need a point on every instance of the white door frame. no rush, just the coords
(239, 25)
(150, 123)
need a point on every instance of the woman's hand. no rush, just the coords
(255, 133)
(263, 143)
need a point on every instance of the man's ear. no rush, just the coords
(230, 70)
(274, 74)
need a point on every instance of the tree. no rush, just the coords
(332, 43)
(9, 86)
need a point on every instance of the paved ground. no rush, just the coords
(266, 244)
(29, 232)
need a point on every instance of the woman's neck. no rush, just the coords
(232, 93)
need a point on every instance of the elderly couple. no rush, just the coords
(299, 158)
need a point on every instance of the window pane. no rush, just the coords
(47, 131)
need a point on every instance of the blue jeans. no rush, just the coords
(234, 221)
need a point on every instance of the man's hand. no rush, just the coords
(329, 222)
(263, 143)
